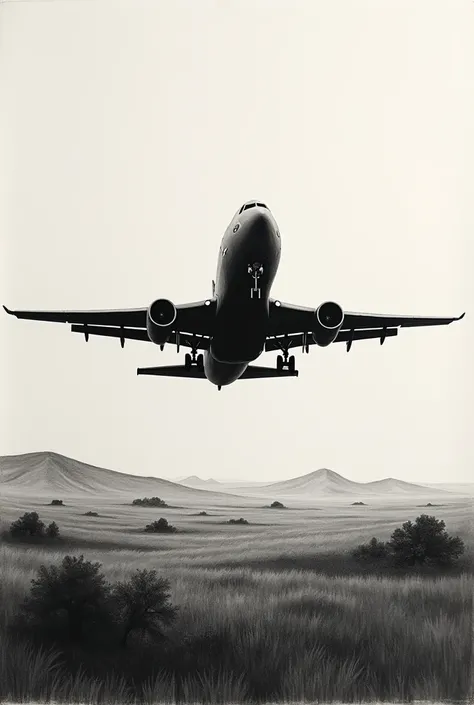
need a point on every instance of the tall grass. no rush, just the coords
(255, 629)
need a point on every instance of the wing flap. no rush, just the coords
(131, 318)
(187, 340)
(344, 336)
(375, 320)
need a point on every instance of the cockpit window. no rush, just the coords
(246, 206)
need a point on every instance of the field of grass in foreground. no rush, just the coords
(248, 634)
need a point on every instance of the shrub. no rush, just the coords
(30, 526)
(425, 541)
(237, 521)
(70, 597)
(374, 550)
(277, 505)
(57, 502)
(52, 531)
(358, 504)
(150, 502)
(160, 527)
(203, 514)
(27, 525)
(91, 514)
(142, 605)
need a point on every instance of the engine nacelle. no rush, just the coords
(328, 319)
(159, 320)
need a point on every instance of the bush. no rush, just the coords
(91, 514)
(203, 514)
(69, 598)
(237, 521)
(277, 505)
(374, 550)
(142, 605)
(150, 502)
(424, 542)
(358, 504)
(160, 527)
(30, 526)
(57, 502)
(52, 531)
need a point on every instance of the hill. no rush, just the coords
(325, 482)
(195, 481)
(51, 473)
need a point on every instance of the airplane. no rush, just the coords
(240, 320)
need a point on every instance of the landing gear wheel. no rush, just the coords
(279, 363)
(291, 363)
(187, 361)
(200, 361)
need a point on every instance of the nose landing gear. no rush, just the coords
(255, 270)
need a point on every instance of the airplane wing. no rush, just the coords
(196, 319)
(295, 323)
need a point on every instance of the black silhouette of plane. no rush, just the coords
(230, 330)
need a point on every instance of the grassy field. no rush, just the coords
(273, 611)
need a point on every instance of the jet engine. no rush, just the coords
(159, 320)
(328, 319)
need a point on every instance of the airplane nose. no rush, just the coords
(262, 226)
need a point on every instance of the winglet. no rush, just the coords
(459, 318)
(8, 311)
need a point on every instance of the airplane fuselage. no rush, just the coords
(249, 256)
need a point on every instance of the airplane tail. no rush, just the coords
(195, 372)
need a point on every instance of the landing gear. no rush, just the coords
(194, 360)
(219, 387)
(285, 362)
(255, 270)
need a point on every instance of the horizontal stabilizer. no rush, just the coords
(194, 372)
(256, 372)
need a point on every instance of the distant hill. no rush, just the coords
(195, 481)
(54, 474)
(325, 482)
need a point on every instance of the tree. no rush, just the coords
(74, 592)
(27, 525)
(425, 541)
(160, 526)
(374, 550)
(142, 605)
(277, 505)
(57, 502)
(52, 531)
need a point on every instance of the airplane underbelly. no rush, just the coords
(240, 333)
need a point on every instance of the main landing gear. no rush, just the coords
(286, 363)
(194, 360)
(255, 270)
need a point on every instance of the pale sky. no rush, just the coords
(131, 133)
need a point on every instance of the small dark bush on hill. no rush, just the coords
(277, 505)
(358, 504)
(160, 526)
(203, 514)
(30, 526)
(91, 514)
(237, 521)
(57, 502)
(150, 502)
